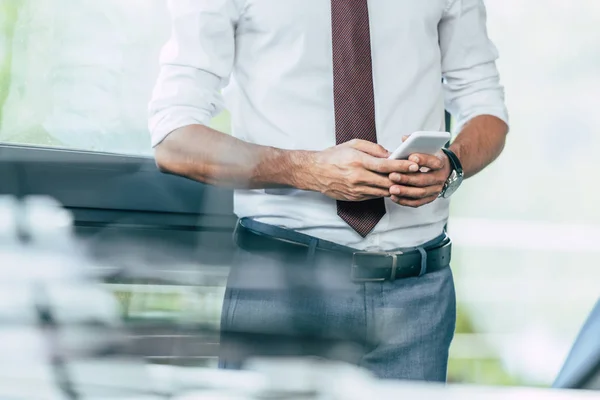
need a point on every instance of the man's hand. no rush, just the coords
(354, 171)
(416, 189)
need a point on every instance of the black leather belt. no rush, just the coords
(365, 266)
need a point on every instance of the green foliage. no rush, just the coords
(222, 122)
(463, 321)
(9, 11)
(35, 136)
(480, 371)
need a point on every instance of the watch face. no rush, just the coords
(452, 184)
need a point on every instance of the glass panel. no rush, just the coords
(526, 230)
(79, 74)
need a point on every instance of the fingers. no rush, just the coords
(368, 178)
(385, 166)
(418, 179)
(415, 193)
(372, 192)
(433, 162)
(413, 203)
(373, 149)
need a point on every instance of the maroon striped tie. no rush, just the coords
(353, 97)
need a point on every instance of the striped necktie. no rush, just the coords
(354, 98)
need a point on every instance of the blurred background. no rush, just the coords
(78, 75)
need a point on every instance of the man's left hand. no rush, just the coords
(419, 188)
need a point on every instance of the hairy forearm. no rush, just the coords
(205, 155)
(479, 143)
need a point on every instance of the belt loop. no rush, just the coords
(394, 267)
(423, 261)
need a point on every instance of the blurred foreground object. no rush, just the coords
(59, 332)
(61, 336)
(314, 379)
(582, 368)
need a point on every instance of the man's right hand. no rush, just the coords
(354, 171)
(357, 170)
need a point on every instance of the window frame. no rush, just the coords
(141, 187)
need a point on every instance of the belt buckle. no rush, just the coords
(393, 256)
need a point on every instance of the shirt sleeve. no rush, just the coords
(471, 79)
(195, 64)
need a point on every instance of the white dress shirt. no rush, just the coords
(273, 60)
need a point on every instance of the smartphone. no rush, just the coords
(423, 142)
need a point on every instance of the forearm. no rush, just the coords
(479, 143)
(206, 155)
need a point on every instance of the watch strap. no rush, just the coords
(454, 161)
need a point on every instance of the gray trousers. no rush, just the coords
(301, 305)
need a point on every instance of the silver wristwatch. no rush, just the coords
(456, 176)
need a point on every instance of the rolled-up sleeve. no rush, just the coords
(195, 64)
(471, 79)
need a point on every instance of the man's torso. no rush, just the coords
(281, 95)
